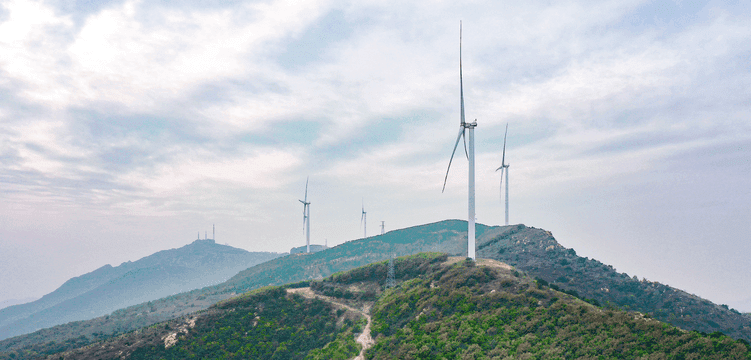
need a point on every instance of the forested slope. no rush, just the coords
(536, 252)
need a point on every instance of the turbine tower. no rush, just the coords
(383, 227)
(364, 221)
(504, 167)
(463, 127)
(306, 216)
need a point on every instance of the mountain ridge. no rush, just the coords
(109, 288)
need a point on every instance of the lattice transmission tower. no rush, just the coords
(391, 278)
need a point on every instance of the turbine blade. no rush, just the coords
(306, 188)
(465, 147)
(461, 134)
(503, 160)
(461, 81)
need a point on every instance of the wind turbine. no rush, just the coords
(463, 127)
(364, 221)
(504, 167)
(306, 216)
(383, 227)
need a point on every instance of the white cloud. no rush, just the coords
(117, 57)
(29, 42)
(256, 168)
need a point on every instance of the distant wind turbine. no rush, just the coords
(504, 167)
(306, 216)
(463, 125)
(383, 227)
(364, 221)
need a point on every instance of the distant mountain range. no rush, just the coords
(102, 291)
(531, 251)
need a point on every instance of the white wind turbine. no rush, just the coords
(504, 167)
(463, 125)
(364, 221)
(306, 216)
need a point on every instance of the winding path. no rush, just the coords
(364, 339)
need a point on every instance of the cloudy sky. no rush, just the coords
(128, 127)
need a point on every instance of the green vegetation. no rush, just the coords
(467, 312)
(264, 324)
(343, 348)
(267, 324)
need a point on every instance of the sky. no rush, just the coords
(130, 127)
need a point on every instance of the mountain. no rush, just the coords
(531, 251)
(536, 252)
(109, 288)
(439, 308)
(11, 302)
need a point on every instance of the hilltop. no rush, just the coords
(531, 251)
(440, 308)
(536, 252)
(109, 288)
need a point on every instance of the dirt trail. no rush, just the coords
(364, 339)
